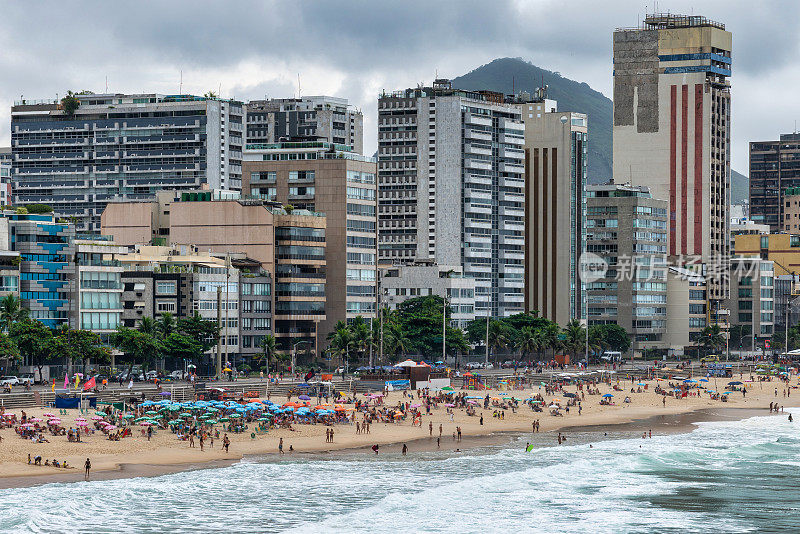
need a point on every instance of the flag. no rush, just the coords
(66, 381)
(310, 375)
(77, 381)
(89, 384)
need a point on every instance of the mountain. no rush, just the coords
(740, 187)
(507, 75)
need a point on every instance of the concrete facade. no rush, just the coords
(672, 127)
(774, 168)
(122, 146)
(556, 146)
(98, 285)
(752, 300)
(628, 228)
(340, 184)
(451, 188)
(310, 117)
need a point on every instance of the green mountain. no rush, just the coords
(507, 75)
(740, 187)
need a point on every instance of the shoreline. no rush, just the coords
(675, 422)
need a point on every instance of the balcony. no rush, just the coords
(479, 120)
(477, 164)
(478, 134)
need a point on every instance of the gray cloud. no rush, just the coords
(355, 48)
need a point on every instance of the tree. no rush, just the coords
(165, 324)
(180, 346)
(527, 341)
(38, 208)
(11, 311)
(341, 341)
(395, 340)
(738, 332)
(205, 332)
(421, 320)
(268, 350)
(574, 337)
(609, 337)
(33, 339)
(711, 339)
(138, 347)
(80, 346)
(8, 350)
(70, 104)
(147, 326)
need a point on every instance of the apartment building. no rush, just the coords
(451, 187)
(687, 309)
(556, 148)
(752, 300)
(289, 245)
(672, 127)
(332, 180)
(310, 117)
(98, 284)
(118, 146)
(5, 176)
(774, 169)
(403, 282)
(627, 227)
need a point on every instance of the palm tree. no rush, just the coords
(166, 324)
(574, 337)
(147, 326)
(711, 338)
(396, 339)
(341, 340)
(11, 311)
(527, 341)
(269, 348)
(497, 335)
(359, 330)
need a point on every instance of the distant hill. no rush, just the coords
(740, 187)
(514, 74)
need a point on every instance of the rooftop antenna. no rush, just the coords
(298, 85)
(106, 84)
(513, 89)
(180, 86)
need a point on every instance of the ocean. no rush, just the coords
(732, 476)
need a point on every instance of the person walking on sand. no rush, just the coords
(331, 435)
(226, 443)
(88, 466)
(430, 428)
(440, 430)
(280, 446)
(405, 447)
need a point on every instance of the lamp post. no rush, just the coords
(294, 354)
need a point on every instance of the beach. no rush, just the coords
(135, 456)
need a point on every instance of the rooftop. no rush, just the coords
(663, 21)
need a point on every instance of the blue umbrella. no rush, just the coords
(608, 395)
(704, 380)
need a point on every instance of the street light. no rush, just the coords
(294, 353)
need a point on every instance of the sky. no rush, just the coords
(252, 49)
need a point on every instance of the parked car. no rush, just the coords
(9, 381)
(176, 375)
(27, 378)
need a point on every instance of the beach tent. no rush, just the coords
(407, 363)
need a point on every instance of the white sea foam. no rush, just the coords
(715, 478)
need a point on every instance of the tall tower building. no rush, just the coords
(672, 128)
(556, 148)
(451, 187)
(774, 168)
(124, 147)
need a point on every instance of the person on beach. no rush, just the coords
(790, 420)
(280, 446)
(375, 449)
(438, 442)
(202, 440)
(87, 465)
(430, 428)
(440, 430)
(405, 447)
(226, 443)
(481, 419)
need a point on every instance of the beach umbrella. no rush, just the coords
(96, 418)
(185, 414)
(174, 422)
(704, 380)
(128, 416)
(145, 423)
(640, 384)
(151, 412)
(111, 427)
(223, 419)
(447, 388)
(54, 421)
(35, 420)
(608, 395)
(304, 397)
(101, 414)
(47, 414)
(736, 383)
(81, 423)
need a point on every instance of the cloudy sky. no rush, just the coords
(252, 49)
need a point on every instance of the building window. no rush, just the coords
(168, 287)
(166, 306)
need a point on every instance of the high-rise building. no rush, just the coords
(322, 177)
(451, 187)
(672, 127)
(98, 284)
(309, 117)
(774, 168)
(46, 264)
(124, 147)
(556, 148)
(5, 176)
(628, 228)
(752, 299)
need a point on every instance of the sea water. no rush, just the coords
(733, 476)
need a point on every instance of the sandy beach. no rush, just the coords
(136, 456)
